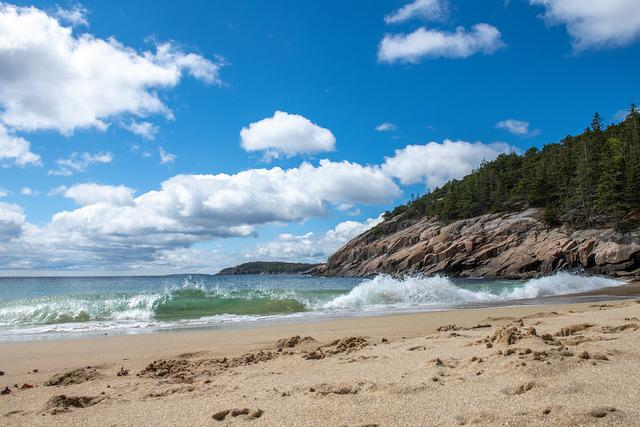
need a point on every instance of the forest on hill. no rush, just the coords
(592, 179)
(265, 267)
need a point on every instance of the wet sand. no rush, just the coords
(572, 364)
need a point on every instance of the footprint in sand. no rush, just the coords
(521, 389)
(251, 413)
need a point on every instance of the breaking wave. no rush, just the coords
(440, 290)
(193, 304)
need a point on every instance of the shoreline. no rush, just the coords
(424, 360)
(630, 289)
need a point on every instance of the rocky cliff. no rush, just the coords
(516, 245)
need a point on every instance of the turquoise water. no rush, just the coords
(39, 307)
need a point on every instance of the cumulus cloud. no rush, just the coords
(312, 247)
(91, 193)
(436, 163)
(26, 191)
(517, 127)
(594, 24)
(12, 221)
(430, 43)
(53, 78)
(79, 162)
(112, 227)
(16, 150)
(286, 134)
(386, 127)
(433, 10)
(166, 157)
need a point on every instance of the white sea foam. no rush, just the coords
(139, 312)
(439, 290)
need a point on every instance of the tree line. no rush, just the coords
(592, 179)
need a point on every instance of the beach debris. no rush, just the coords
(5, 390)
(35, 371)
(62, 403)
(122, 372)
(1, 373)
(76, 376)
(384, 340)
(26, 386)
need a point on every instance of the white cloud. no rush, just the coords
(517, 127)
(91, 193)
(145, 130)
(12, 221)
(26, 191)
(436, 163)
(594, 24)
(286, 134)
(386, 127)
(427, 43)
(79, 162)
(434, 10)
(311, 247)
(52, 78)
(16, 149)
(166, 157)
(114, 228)
(75, 16)
(3, 192)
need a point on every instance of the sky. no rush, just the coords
(161, 137)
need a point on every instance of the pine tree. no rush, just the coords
(611, 182)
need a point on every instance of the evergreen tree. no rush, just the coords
(585, 180)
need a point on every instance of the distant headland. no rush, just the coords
(264, 267)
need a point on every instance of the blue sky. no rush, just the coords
(103, 102)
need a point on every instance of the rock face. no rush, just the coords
(515, 245)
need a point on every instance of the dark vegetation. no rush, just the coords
(262, 267)
(592, 179)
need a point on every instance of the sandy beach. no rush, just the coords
(571, 364)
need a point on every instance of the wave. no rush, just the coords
(195, 304)
(439, 290)
(182, 303)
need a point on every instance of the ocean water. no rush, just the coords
(54, 307)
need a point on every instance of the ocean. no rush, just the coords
(59, 307)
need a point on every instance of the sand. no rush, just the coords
(576, 364)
